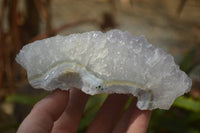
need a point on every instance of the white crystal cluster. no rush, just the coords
(111, 62)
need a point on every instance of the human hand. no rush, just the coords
(61, 111)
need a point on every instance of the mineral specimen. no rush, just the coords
(111, 62)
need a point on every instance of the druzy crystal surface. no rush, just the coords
(111, 62)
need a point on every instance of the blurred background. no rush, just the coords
(173, 25)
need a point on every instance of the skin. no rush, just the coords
(61, 111)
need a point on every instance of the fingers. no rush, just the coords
(63, 111)
(133, 120)
(44, 113)
(69, 120)
(109, 114)
(139, 121)
(123, 124)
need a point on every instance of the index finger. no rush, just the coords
(44, 113)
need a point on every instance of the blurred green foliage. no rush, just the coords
(23, 99)
(187, 103)
(190, 61)
(183, 117)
